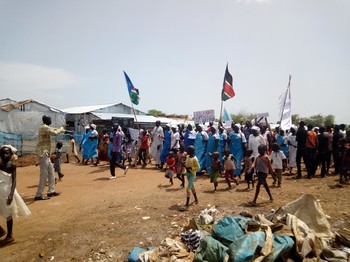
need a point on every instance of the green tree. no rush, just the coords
(295, 119)
(154, 112)
(329, 120)
(315, 120)
(242, 117)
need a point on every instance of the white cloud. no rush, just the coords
(17, 76)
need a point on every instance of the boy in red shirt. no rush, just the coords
(144, 148)
(170, 168)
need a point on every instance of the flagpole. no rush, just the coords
(133, 110)
(285, 99)
(220, 119)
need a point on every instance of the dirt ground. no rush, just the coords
(97, 219)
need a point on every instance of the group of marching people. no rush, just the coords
(323, 146)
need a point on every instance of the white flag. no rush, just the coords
(285, 107)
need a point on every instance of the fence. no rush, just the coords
(26, 143)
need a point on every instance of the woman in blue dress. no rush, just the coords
(188, 137)
(200, 146)
(85, 145)
(222, 142)
(237, 144)
(282, 141)
(166, 145)
(212, 146)
(93, 137)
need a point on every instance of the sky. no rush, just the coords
(73, 53)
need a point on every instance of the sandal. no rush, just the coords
(7, 240)
(252, 204)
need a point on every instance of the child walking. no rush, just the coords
(215, 170)
(229, 166)
(249, 169)
(278, 160)
(73, 149)
(262, 165)
(58, 160)
(11, 204)
(192, 166)
(180, 165)
(144, 148)
(170, 168)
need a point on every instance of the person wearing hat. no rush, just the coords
(84, 146)
(255, 140)
(93, 137)
(174, 139)
(11, 203)
(189, 137)
(237, 146)
(117, 136)
(157, 136)
(200, 147)
(166, 145)
(43, 150)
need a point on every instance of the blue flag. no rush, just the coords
(226, 116)
(133, 91)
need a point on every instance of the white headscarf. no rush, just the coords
(13, 151)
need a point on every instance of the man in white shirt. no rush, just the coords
(157, 136)
(175, 139)
(255, 140)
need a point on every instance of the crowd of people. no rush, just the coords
(236, 148)
(226, 152)
(250, 150)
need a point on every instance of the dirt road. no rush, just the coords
(100, 219)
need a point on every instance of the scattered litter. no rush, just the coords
(146, 218)
(191, 238)
(246, 237)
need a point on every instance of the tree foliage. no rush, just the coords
(242, 117)
(155, 112)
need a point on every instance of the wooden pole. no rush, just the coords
(220, 118)
(133, 110)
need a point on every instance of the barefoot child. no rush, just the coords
(180, 165)
(11, 204)
(57, 157)
(170, 168)
(278, 160)
(262, 165)
(192, 166)
(215, 169)
(73, 149)
(229, 166)
(248, 168)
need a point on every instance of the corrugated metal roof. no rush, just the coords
(140, 118)
(85, 109)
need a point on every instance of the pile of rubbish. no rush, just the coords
(298, 231)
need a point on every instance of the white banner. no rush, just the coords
(201, 117)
